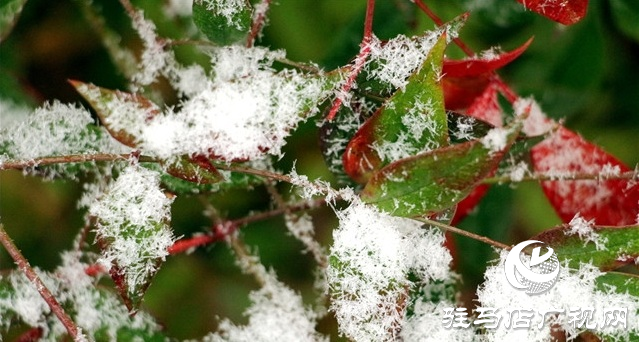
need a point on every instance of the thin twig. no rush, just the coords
(360, 60)
(456, 230)
(248, 263)
(46, 294)
(74, 158)
(256, 172)
(544, 177)
(220, 230)
(258, 22)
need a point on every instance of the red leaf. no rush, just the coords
(486, 108)
(608, 202)
(465, 80)
(477, 66)
(566, 12)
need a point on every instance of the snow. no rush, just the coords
(229, 9)
(244, 111)
(394, 61)
(276, 314)
(496, 139)
(537, 123)
(154, 57)
(575, 288)
(584, 229)
(370, 260)
(132, 220)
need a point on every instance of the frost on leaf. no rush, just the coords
(132, 228)
(224, 22)
(98, 313)
(54, 129)
(575, 288)
(276, 314)
(584, 229)
(368, 271)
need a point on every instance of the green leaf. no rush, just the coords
(9, 13)
(413, 120)
(626, 16)
(110, 104)
(221, 21)
(615, 243)
(436, 180)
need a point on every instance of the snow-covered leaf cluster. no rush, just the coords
(98, 313)
(55, 129)
(370, 262)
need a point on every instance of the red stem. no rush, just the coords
(360, 60)
(468, 51)
(258, 22)
(46, 294)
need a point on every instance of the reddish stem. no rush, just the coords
(258, 22)
(46, 294)
(468, 51)
(221, 231)
(360, 60)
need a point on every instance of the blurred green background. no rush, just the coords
(587, 74)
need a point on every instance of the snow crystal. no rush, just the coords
(154, 57)
(370, 260)
(417, 121)
(226, 8)
(496, 139)
(518, 172)
(301, 227)
(394, 61)
(132, 218)
(54, 129)
(276, 314)
(574, 289)
(584, 229)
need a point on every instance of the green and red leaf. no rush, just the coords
(436, 180)
(615, 246)
(421, 102)
(108, 104)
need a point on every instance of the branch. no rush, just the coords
(221, 230)
(543, 177)
(75, 158)
(48, 297)
(360, 60)
(468, 234)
